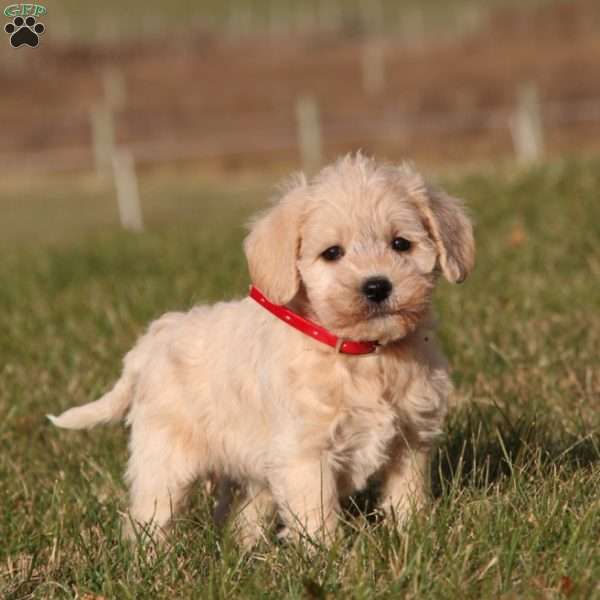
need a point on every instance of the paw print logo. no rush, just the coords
(24, 31)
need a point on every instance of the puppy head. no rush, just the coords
(365, 244)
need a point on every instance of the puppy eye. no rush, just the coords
(333, 253)
(401, 244)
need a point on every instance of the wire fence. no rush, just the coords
(303, 134)
(259, 135)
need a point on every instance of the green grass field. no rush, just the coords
(113, 19)
(516, 512)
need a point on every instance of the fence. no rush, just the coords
(305, 134)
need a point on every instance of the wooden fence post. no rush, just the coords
(103, 138)
(309, 133)
(102, 119)
(114, 88)
(126, 185)
(526, 125)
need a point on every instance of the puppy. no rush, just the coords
(327, 375)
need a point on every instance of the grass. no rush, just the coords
(516, 512)
(114, 19)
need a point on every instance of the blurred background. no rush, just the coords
(252, 85)
(133, 113)
(117, 93)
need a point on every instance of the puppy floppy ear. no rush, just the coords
(449, 227)
(273, 244)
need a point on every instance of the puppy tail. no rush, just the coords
(108, 409)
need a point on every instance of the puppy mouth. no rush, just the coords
(381, 313)
(408, 314)
(359, 317)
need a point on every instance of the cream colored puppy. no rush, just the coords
(230, 390)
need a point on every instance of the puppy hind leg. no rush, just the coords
(159, 473)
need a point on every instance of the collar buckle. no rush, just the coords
(341, 341)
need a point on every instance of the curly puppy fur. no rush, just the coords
(229, 391)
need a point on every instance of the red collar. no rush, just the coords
(312, 329)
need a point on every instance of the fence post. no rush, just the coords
(126, 185)
(103, 138)
(114, 88)
(373, 68)
(309, 133)
(526, 125)
(102, 119)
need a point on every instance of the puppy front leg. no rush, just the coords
(307, 495)
(405, 483)
(255, 512)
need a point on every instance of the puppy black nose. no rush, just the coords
(377, 289)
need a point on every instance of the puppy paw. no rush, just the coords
(401, 512)
(146, 534)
